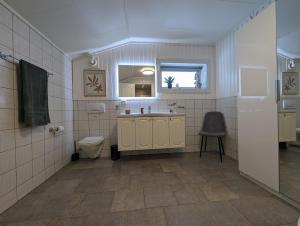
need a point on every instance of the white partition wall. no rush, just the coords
(257, 108)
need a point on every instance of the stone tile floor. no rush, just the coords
(290, 172)
(150, 190)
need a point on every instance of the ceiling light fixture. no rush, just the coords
(292, 64)
(147, 71)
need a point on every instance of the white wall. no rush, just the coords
(227, 74)
(145, 54)
(28, 156)
(227, 88)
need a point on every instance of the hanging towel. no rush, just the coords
(33, 95)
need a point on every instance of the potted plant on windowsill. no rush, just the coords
(169, 80)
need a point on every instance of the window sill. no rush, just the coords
(184, 90)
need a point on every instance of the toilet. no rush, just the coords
(91, 147)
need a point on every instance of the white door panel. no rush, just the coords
(257, 107)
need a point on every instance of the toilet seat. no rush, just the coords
(90, 141)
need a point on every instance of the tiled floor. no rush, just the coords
(290, 172)
(153, 190)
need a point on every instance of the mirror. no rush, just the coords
(136, 81)
(288, 49)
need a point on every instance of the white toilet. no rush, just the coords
(91, 147)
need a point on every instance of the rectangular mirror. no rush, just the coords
(288, 49)
(136, 81)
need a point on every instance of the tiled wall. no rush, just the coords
(105, 124)
(28, 156)
(228, 106)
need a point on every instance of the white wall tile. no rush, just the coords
(24, 188)
(38, 133)
(20, 28)
(5, 17)
(6, 98)
(7, 140)
(21, 46)
(38, 165)
(23, 137)
(38, 179)
(36, 55)
(23, 155)
(7, 161)
(24, 173)
(38, 149)
(8, 200)
(6, 119)
(49, 159)
(6, 78)
(35, 39)
(6, 36)
(7, 182)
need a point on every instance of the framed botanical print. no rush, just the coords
(94, 83)
(289, 83)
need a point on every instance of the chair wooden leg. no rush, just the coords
(220, 149)
(205, 143)
(221, 141)
(201, 146)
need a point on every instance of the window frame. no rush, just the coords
(161, 89)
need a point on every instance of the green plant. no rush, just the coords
(169, 80)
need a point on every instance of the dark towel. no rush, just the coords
(33, 95)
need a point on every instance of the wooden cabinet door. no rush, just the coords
(177, 132)
(161, 135)
(281, 127)
(126, 134)
(143, 133)
(290, 126)
(287, 127)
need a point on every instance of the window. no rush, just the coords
(183, 76)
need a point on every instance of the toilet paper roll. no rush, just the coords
(59, 129)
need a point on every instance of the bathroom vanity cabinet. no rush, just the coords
(287, 126)
(151, 131)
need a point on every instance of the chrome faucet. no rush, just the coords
(172, 105)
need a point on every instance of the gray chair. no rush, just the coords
(213, 126)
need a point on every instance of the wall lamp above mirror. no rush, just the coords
(136, 81)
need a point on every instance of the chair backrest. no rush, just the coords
(214, 122)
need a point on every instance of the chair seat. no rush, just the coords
(203, 133)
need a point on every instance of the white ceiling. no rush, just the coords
(80, 25)
(288, 27)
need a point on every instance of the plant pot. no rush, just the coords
(169, 85)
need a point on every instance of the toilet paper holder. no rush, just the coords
(56, 130)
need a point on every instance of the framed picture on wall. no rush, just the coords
(289, 83)
(94, 83)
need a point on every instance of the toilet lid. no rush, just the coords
(91, 140)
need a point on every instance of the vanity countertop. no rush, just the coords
(154, 114)
(287, 111)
